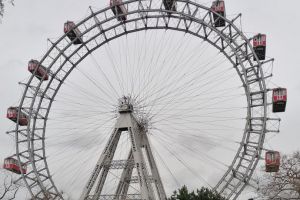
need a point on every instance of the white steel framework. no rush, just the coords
(99, 28)
(147, 178)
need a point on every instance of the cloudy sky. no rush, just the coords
(27, 25)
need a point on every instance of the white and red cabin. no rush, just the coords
(119, 10)
(73, 33)
(279, 99)
(260, 40)
(218, 7)
(259, 46)
(12, 114)
(38, 70)
(12, 165)
(170, 5)
(272, 161)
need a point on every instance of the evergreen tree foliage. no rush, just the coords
(201, 194)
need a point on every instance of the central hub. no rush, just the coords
(125, 105)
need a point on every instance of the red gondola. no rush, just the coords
(12, 165)
(12, 114)
(279, 99)
(219, 7)
(272, 160)
(72, 32)
(259, 46)
(118, 9)
(170, 5)
(40, 71)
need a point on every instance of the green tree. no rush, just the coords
(202, 194)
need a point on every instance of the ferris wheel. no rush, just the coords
(142, 96)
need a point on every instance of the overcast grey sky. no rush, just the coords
(27, 25)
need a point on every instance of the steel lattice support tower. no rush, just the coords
(148, 177)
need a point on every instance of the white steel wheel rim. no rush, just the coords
(38, 96)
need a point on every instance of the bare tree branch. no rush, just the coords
(8, 189)
(284, 184)
(2, 6)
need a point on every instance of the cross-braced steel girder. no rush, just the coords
(147, 175)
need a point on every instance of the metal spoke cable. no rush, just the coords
(166, 146)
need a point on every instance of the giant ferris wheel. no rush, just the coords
(143, 96)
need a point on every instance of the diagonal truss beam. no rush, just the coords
(147, 175)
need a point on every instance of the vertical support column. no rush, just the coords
(124, 182)
(154, 169)
(87, 189)
(108, 158)
(136, 140)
